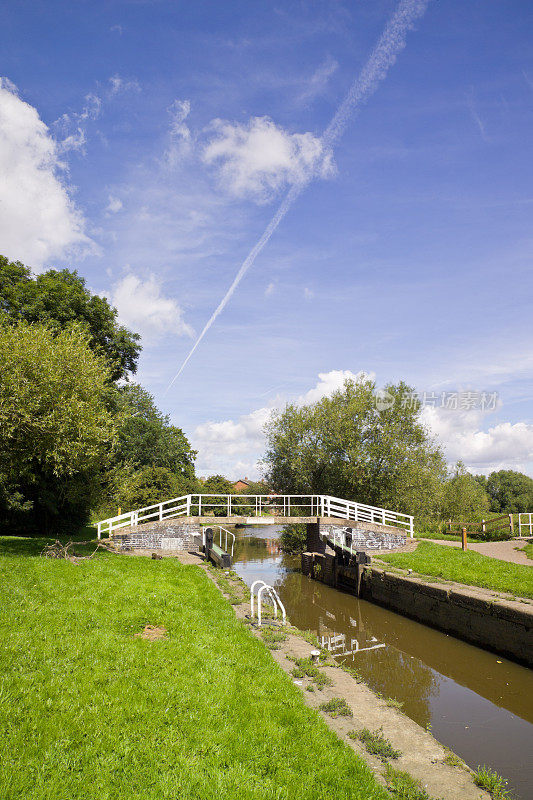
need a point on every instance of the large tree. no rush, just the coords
(56, 429)
(508, 490)
(354, 447)
(464, 500)
(59, 298)
(146, 437)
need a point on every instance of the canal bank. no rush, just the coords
(480, 616)
(478, 704)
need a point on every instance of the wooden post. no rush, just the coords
(463, 539)
(511, 524)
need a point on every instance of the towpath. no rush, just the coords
(504, 551)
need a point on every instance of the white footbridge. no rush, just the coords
(265, 509)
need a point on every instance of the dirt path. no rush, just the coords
(504, 551)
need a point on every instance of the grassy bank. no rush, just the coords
(467, 567)
(89, 710)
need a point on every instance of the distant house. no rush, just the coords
(241, 485)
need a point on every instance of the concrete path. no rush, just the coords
(504, 551)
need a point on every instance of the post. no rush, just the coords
(463, 539)
(449, 526)
(483, 529)
(411, 527)
(188, 505)
(99, 530)
(209, 536)
(160, 511)
(511, 525)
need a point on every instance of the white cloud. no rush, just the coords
(319, 80)
(38, 219)
(502, 446)
(73, 126)
(330, 382)
(119, 84)
(142, 307)
(180, 134)
(308, 294)
(115, 204)
(270, 289)
(260, 158)
(231, 447)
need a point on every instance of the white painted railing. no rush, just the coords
(525, 524)
(220, 531)
(262, 505)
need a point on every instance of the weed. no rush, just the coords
(322, 680)
(376, 743)
(453, 760)
(337, 707)
(310, 688)
(391, 702)
(304, 666)
(493, 783)
(403, 786)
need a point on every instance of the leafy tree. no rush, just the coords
(464, 499)
(146, 437)
(509, 491)
(344, 445)
(217, 484)
(256, 487)
(60, 298)
(150, 485)
(56, 431)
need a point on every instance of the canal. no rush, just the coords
(477, 703)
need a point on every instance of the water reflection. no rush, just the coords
(479, 704)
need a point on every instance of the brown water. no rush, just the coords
(477, 703)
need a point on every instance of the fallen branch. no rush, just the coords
(59, 550)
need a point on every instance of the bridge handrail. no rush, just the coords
(319, 505)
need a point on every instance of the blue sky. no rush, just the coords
(148, 144)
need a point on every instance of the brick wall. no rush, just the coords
(161, 536)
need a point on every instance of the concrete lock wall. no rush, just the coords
(161, 536)
(504, 626)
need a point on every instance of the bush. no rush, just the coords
(293, 538)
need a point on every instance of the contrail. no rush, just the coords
(391, 42)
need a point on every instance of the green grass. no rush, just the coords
(375, 743)
(87, 710)
(466, 567)
(528, 549)
(493, 783)
(403, 786)
(337, 707)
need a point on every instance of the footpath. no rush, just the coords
(508, 550)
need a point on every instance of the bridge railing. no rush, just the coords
(249, 505)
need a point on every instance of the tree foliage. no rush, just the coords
(56, 430)
(146, 437)
(509, 491)
(464, 499)
(343, 445)
(60, 298)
